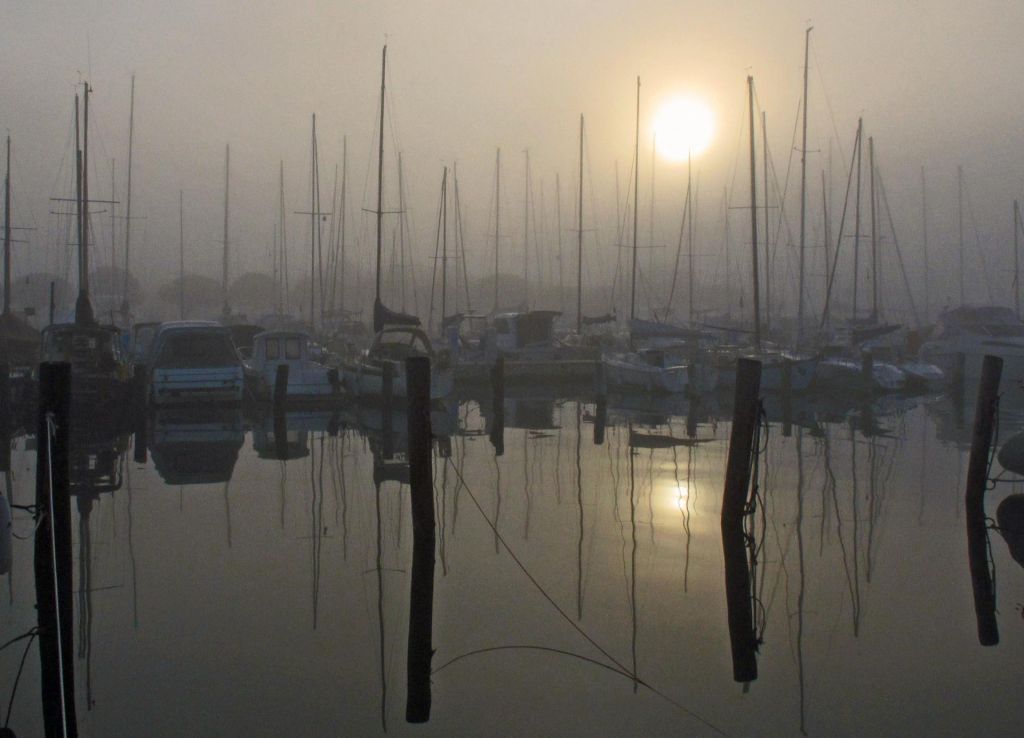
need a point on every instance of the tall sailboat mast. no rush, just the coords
(6, 234)
(579, 241)
(1017, 264)
(767, 228)
(181, 254)
(924, 248)
(83, 306)
(960, 223)
(227, 193)
(282, 244)
(526, 230)
(874, 231)
(380, 187)
(803, 200)
(856, 219)
(497, 222)
(128, 203)
(636, 204)
(753, 215)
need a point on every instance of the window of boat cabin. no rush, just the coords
(501, 325)
(292, 348)
(273, 349)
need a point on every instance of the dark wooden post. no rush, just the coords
(6, 417)
(498, 405)
(738, 593)
(280, 387)
(387, 396)
(741, 439)
(974, 497)
(140, 411)
(421, 596)
(787, 397)
(53, 558)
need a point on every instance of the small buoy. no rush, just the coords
(1011, 455)
(1010, 519)
(7, 733)
(5, 539)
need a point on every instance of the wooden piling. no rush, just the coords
(974, 498)
(741, 439)
(738, 592)
(497, 434)
(421, 596)
(6, 417)
(739, 603)
(53, 556)
(140, 412)
(280, 387)
(387, 398)
(787, 397)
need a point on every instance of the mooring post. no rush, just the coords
(140, 412)
(53, 558)
(421, 495)
(280, 388)
(387, 396)
(601, 403)
(498, 405)
(741, 439)
(738, 593)
(974, 498)
(787, 397)
(6, 417)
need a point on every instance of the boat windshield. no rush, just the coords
(401, 343)
(196, 351)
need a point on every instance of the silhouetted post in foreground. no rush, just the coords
(387, 391)
(738, 593)
(280, 418)
(601, 404)
(280, 387)
(421, 595)
(498, 405)
(140, 388)
(53, 559)
(787, 397)
(5, 417)
(974, 498)
(741, 439)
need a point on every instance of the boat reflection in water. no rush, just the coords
(196, 445)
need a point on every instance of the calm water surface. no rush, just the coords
(579, 588)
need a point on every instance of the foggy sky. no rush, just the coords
(935, 82)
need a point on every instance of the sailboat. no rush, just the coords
(19, 342)
(398, 336)
(780, 370)
(650, 369)
(98, 366)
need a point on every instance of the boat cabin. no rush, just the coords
(307, 375)
(531, 329)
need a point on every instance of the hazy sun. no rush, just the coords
(683, 126)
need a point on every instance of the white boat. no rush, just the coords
(923, 376)
(836, 372)
(394, 344)
(802, 369)
(645, 370)
(308, 378)
(195, 362)
(974, 332)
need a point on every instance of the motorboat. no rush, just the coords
(195, 361)
(392, 345)
(973, 332)
(309, 377)
(645, 370)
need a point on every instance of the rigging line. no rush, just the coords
(828, 102)
(499, 538)
(581, 657)
(14, 689)
(977, 245)
(51, 432)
